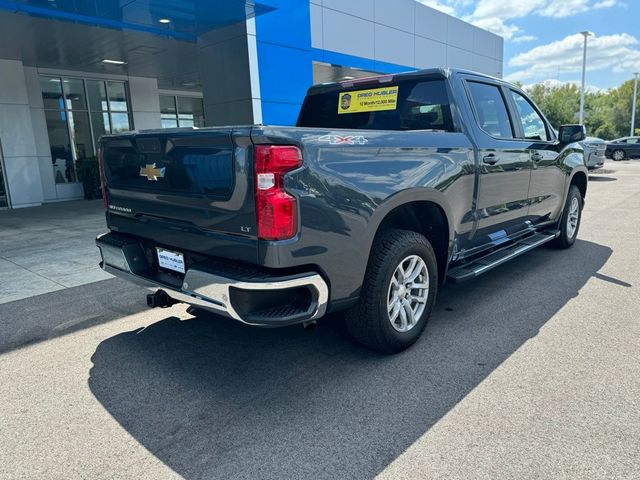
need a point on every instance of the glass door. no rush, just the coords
(78, 112)
(4, 194)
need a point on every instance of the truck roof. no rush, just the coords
(427, 73)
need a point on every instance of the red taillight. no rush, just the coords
(276, 210)
(103, 183)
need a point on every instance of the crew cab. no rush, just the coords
(387, 187)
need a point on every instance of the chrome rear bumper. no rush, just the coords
(306, 294)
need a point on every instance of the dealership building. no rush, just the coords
(71, 71)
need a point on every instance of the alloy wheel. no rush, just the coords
(573, 217)
(408, 293)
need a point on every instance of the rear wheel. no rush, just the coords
(570, 221)
(398, 292)
(618, 155)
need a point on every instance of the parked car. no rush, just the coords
(386, 187)
(594, 152)
(622, 148)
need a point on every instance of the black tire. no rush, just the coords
(622, 152)
(566, 239)
(368, 321)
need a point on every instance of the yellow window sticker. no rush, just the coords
(374, 100)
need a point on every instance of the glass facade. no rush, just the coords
(77, 112)
(178, 111)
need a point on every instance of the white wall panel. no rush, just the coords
(484, 65)
(498, 68)
(394, 46)
(13, 84)
(484, 42)
(316, 25)
(144, 94)
(16, 131)
(23, 177)
(430, 54)
(431, 23)
(347, 34)
(146, 120)
(40, 136)
(459, 34)
(32, 82)
(404, 32)
(398, 14)
(459, 58)
(145, 102)
(356, 8)
(499, 53)
(49, 193)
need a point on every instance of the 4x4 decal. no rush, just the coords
(343, 140)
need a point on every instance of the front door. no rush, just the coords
(4, 194)
(504, 169)
(633, 149)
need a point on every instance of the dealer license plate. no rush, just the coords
(170, 260)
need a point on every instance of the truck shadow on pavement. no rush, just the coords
(593, 178)
(50, 315)
(215, 399)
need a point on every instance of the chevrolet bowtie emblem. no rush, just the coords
(151, 172)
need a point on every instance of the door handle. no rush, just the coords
(490, 159)
(536, 157)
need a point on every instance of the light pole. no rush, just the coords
(584, 68)
(633, 108)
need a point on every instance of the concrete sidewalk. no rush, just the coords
(49, 248)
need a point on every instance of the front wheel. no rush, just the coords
(398, 292)
(618, 155)
(570, 221)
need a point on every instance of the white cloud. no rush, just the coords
(493, 15)
(606, 4)
(524, 38)
(506, 9)
(496, 15)
(445, 8)
(565, 8)
(497, 26)
(617, 52)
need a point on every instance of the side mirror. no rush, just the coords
(572, 133)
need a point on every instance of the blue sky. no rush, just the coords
(542, 40)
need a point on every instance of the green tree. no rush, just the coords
(607, 113)
(560, 104)
(620, 103)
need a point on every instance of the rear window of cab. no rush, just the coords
(413, 105)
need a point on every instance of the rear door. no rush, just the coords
(546, 190)
(504, 166)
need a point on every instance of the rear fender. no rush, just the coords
(418, 194)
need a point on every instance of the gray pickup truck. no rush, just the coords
(387, 187)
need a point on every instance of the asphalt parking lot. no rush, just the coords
(531, 371)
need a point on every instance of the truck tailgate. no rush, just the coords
(183, 188)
